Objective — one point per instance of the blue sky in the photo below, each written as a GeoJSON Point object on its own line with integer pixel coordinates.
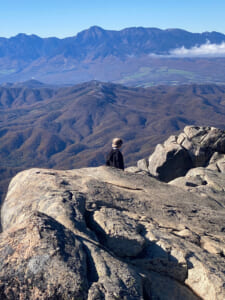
{"type": "Point", "coordinates": [66, 17]}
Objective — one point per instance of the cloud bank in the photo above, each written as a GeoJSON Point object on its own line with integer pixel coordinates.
{"type": "Point", "coordinates": [205, 50]}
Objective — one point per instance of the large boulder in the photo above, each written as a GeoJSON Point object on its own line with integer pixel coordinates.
{"type": "Point", "coordinates": [192, 148]}
{"type": "Point", "coordinates": [169, 161]}
{"type": "Point", "coordinates": [101, 233]}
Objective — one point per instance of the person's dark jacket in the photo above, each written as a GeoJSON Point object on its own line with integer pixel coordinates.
{"type": "Point", "coordinates": [115, 159]}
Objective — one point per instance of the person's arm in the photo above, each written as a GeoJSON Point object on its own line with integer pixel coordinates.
{"type": "Point", "coordinates": [107, 162]}
{"type": "Point", "coordinates": [120, 162]}
{"type": "Point", "coordinates": [109, 159]}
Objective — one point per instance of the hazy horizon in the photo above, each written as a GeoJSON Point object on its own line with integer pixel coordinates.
{"type": "Point", "coordinates": [67, 18]}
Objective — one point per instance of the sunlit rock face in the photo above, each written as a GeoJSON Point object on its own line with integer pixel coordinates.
{"type": "Point", "coordinates": [192, 148]}
{"type": "Point", "coordinates": [101, 233]}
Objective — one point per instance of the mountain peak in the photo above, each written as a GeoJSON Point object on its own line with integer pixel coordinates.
{"type": "Point", "coordinates": [32, 83]}
{"type": "Point", "coordinates": [25, 36]}
{"type": "Point", "coordinates": [93, 33]}
{"type": "Point", "coordinates": [106, 55]}
{"type": "Point", "coordinates": [96, 28]}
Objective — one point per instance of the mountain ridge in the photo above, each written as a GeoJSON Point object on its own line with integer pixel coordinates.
{"type": "Point", "coordinates": [156, 39]}
{"type": "Point", "coordinates": [72, 127]}
{"type": "Point", "coordinates": [122, 56]}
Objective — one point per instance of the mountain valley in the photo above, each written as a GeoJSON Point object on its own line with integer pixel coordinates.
{"type": "Point", "coordinates": [72, 127]}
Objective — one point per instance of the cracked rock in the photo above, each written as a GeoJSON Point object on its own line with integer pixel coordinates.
{"type": "Point", "coordinates": [119, 232]}
{"type": "Point", "coordinates": [101, 233]}
{"type": "Point", "coordinates": [192, 148]}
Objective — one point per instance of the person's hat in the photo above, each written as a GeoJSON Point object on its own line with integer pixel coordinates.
{"type": "Point", "coordinates": [117, 142]}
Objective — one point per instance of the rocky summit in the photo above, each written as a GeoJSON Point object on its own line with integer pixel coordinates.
{"type": "Point", "coordinates": [101, 233]}
{"type": "Point", "coordinates": [194, 147]}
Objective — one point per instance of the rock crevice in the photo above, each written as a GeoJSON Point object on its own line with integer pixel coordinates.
{"type": "Point", "coordinates": [192, 148]}
{"type": "Point", "coordinates": [101, 233]}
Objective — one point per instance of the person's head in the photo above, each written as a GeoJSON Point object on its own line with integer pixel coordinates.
{"type": "Point", "coordinates": [117, 143]}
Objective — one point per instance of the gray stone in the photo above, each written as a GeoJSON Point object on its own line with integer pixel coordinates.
{"type": "Point", "coordinates": [217, 162]}
{"type": "Point", "coordinates": [164, 288]}
{"type": "Point", "coordinates": [194, 147]}
{"type": "Point", "coordinates": [109, 234]}
{"type": "Point", "coordinates": [47, 261]}
{"type": "Point", "coordinates": [121, 233]}
{"type": "Point", "coordinates": [205, 182]}
{"type": "Point", "coordinates": [170, 161]}
{"type": "Point", "coordinates": [142, 164]}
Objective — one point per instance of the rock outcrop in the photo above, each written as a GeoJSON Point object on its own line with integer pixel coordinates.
{"type": "Point", "coordinates": [101, 233]}
{"type": "Point", "coordinates": [193, 148]}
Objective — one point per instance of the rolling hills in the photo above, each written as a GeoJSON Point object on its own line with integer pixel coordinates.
{"type": "Point", "coordinates": [72, 127]}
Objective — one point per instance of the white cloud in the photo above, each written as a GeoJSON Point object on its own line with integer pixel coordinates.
{"type": "Point", "coordinates": [205, 50]}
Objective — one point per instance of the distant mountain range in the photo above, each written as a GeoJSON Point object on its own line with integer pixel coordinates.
{"type": "Point", "coordinates": [72, 127]}
{"type": "Point", "coordinates": [133, 56]}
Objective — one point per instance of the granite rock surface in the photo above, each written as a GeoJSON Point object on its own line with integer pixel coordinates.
{"type": "Point", "coordinates": [194, 147]}
{"type": "Point", "coordinates": [101, 233]}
